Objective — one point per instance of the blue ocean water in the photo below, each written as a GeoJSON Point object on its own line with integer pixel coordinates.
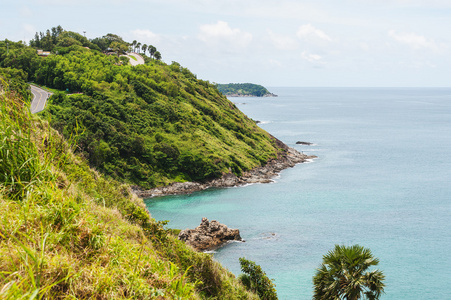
{"type": "Point", "coordinates": [382, 180]}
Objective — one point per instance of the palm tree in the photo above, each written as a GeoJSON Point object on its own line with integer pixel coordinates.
{"type": "Point", "coordinates": [139, 47]}
{"type": "Point", "coordinates": [344, 275]}
{"type": "Point", "coordinates": [134, 45]}
{"type": "Point", "coordinates": [157, 55]}
{"type": "Point", "coordinates": [144, 48]}
{"type": "Point", "coordinates": [152, 50]}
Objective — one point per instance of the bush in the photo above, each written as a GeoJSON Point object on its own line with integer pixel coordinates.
{"type": "Point", "coordinates": [255, 280]}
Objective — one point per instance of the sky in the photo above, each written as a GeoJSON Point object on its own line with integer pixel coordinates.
{"type": "Point", "coordinates": [322, 43]}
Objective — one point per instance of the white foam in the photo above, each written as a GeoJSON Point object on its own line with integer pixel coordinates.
{"type": "Point", "coordinates": [269, 236]}
{"type": "Point", "coordinates": [243, 185]}
{"type": "Point", "coordinates": [210, 251]}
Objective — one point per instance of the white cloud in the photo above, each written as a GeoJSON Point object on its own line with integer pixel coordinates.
{"type": "Point", "coordinates": [144, 35]}
{"type": "Point", "coordinates": [364, 46]}
{"type": "Point", "coordinates": [308, 32]}
{"type": "Point", "coordinates": [414, 40]}
{"type": "Point", "coordinates": [221, 32]}
{"type": "Point", "coordinates": [421, 3]}
{"type": "Point", "coordinates": [313, 58]}
{"type": "Point", "coordinates": [274, 63]}
{"type": "Point", "coordinates": [282, 42]}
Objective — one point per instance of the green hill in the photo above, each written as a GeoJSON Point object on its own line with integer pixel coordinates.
{"type": "Point", "coordinates": [70, 227]}
{"type": "Point", "coordinates": [244, 90]}
{"type": "Point", "coordinates": [148, 125]}
{"type": "Point", "coordinates": [67, 232]}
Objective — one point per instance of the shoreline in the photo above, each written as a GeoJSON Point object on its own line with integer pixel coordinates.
{"type": "Point", "coordinates": [263, 174]}
{"type": "Point", "coordinates": [250, 96]}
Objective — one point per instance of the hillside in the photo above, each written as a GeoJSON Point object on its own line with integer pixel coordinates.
{"type": "Point", "coordinates": [244, 90]}
{"type": "Point", "coordinates": [67, 232]}
{"type": "Point", "coordinates": [148, 125]}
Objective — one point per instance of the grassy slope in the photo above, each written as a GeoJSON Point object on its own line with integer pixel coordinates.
{"type": "Point", "coordinates": [67, 232]}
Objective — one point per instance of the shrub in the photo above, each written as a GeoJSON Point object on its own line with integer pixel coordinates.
{"type": "Point", "coordinates": [255, 280]}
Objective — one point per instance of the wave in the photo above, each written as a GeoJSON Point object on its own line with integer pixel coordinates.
{"type": "Point", "coordinates": [269, 236]}
{"type": "Point", "coordinates": [244, 185]}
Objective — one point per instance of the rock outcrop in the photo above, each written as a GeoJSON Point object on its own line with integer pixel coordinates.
{"type": "Point", "coordinates": [304, 143]}
{"type": "Point", "coordinates": [209, 235]}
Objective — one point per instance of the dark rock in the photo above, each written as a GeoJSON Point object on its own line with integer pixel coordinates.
{"type": "Point", "coordinates": [304, 143]}
{"type": "Point", "coordinates": [209, 235]}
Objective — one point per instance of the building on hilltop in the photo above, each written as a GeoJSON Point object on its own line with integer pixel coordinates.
{"type": "Point", "coordinates": [43, 53]}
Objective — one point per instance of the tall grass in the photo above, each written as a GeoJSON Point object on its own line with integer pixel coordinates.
{"type": "Point", "coordinates": [20, 166]}
{"type": "Point", "coordinates": [67, 232]}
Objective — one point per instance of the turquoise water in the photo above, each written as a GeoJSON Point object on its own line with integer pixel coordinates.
{"type": "Point", "coordinates": [382, 179]}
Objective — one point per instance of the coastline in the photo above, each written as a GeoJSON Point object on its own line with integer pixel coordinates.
{"type": "Point", "coordinates": [251, 96]}
{"type": "Point", "coordinates": [264, 174]}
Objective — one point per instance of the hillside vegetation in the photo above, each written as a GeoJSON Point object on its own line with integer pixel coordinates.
{"type": "Point", "coordinates": [148, 125]}
{"type": "Point", "coordinates": [243, 90]}
{"type": "Point", "coordinates": [67, 232]}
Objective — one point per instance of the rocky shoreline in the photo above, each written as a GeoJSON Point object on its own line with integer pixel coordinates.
{"type": "Point", "coordinates": [287, 159]}
{"type": "Point", "coordinates": [248, 95]}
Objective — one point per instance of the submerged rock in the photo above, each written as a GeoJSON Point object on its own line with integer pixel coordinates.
{"type": "Point", "coordinates": [209, 235]}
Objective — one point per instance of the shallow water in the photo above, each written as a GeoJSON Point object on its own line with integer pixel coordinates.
{"type": "Point", "coordinates": [382, 180]}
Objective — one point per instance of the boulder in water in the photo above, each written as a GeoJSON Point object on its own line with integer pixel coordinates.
{"type": "Point", "coordinates": [209, 235]}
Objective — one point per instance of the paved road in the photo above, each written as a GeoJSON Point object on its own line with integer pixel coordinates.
{"type": "Point", "coordinates": [39, 99]}
{"type": "Point", "coordinates": [139, 59]}
{"type": "Point", "coordinates": [40, 96]}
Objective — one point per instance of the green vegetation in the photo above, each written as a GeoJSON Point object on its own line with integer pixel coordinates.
{"type": "Point", "coordinates": [68, 232]}
{"type": "Point", "coordinates": [243, 89]}
{"type": "Point", "coordinates": [255, 280]}
{"type": "Point", "coordinates": [16, 82]}
{"type": "Point", "coordinates": [344, 275]}
{"type": "Point", "coordinates": [57, 38]}
{"type": "Point", "coordinates": [148, 125]}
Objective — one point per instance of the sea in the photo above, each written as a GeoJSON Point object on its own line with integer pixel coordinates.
{"type": "Point", "coordinates": [382, 180]}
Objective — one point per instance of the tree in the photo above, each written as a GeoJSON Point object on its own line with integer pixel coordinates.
{"type": "Point", "coordinates": [134, 45]}
{"type": "Point", "coordinates": [152, 50]}
{"type": "Point", "coordinates": [344, 275]}
{"type": "Point", "coordinates": [255, 280]}
{"type": "Point", "coordinates": [157, 55]}
{"type": "Point", "coordinates": [144, 48]}
{"type": "Point", "coordinates": [118, 47]}
{"type": "Point", "coordinates": [139, 47]}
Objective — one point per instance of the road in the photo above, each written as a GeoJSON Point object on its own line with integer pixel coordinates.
{"type": "Point", "coordinates": [40, 96]}
{"type": "Point", "coordinates": [39, 99]}
{"type": "Point", "coordinates": [139, 59]}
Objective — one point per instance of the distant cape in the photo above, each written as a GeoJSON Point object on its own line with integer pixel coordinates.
{"type": "Point", "coordinates": [244, 90]}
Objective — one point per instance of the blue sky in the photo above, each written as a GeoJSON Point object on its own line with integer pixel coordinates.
{"type": "Point", "coordinates": [270, 42]}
